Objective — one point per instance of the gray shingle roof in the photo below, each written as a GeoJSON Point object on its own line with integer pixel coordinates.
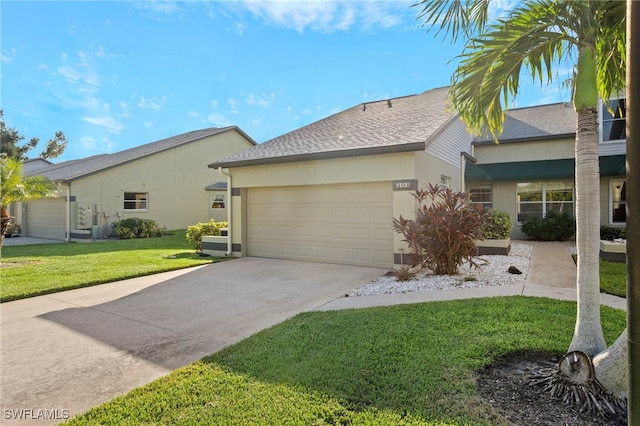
{"type": "Point", "coordinates": [399, 124]}
{"type": "Point", "coordinates": [74, 169]}
{"type": "Point", "coordinates": [537, 122]}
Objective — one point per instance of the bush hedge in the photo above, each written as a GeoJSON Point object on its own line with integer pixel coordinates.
{"type": "Point", "coordinates": [196, 232]}
{"type": "Point", "coordinates": [554, 227]}
{"type": "Point", "coordinates": [497, 225]}
{"type": "Point", "coordinates": [134, 227]}
{"type": "Point", "coordinates": [610, 233]}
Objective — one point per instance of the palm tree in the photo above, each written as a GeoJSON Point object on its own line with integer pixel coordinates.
{"type": "Point", "coordinates": [14, 188]}
{"type": "Point", "coordinates": [534, 37]}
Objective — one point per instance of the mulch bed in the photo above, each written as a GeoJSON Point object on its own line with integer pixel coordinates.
{"type": "Point", "coordinates": [506, 386]}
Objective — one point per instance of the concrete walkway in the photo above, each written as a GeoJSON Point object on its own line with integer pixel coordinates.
{"type": "Point", "coordinates": [24, 241]}
{"type": "Point", "coordinates": [552, 273]}
{"type": "Point", "coordinates": [69, 351]}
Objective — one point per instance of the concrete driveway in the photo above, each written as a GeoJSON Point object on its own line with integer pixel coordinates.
{"type": "Point", "coordinates": [67, 352]}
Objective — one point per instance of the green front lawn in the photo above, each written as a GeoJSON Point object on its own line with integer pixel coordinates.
{"type": "Point", "coordinates": [47, 268]}
{"type": "Point", "coordinates": [407, 364]}
{"type": "Point", "coordinates": [613, 278]}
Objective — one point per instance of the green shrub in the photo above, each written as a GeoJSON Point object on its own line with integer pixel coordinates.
{"type": "Point", "coordinates": [134, 227]}
{"type": "Point", "coordinates": [610, 233]}
{"type": "Point", "coordinates": [497, 225]}
{"type": "Point", "coordinates": [442, 237]}
{"type": "Point", "coordinates": [554, 227]}
{"type": "Point", "coordinates": [196, 232]}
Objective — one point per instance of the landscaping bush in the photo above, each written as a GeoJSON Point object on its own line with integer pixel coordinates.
{"type": "Point", "coordinates": [554, 227]}
{"type": "Point", "coordinates": [196, 232]}
{"type": "Point", "coordinates": [497, 225]}
{"type": "Point", "coordinates": [134, 227]}
{"type": "Point", "coordinates": [443, 235]}
{"type": "Point", "coordinates": [610, 233]}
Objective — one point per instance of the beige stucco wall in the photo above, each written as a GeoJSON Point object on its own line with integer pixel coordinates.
{"type": "Point", "coordinates": [504, 198]}
{"type": "Point", "coordinates": [524, 151]}
{"type": "Point", "coordinates": [175, 180]}
{"type": "Point", "coordinates": [375, 168]}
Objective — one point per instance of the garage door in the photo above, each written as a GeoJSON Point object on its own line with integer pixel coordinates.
{"type": "Point", "coordinates": [46, 218]}
{"type": "Point", "coordinates": [346, 224]}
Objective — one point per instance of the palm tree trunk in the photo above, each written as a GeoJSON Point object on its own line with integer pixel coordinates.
{"type": "Point", "coordinates": [5, 219]}
{"type": "Point", "coordinates": [610, 367]}
{"type": "Point", "coordinates": [588, 336]}
{"type": "Point", "coordinates": [633, 209]}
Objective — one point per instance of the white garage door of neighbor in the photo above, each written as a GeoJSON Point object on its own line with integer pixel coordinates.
{"type": "Point", "coordinates": [46, 218]}
{"type": "Point", "coordinates": [348, 224]}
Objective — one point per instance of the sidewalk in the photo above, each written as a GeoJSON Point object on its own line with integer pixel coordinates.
{"type": "Point", "coordinates": [552, 273]}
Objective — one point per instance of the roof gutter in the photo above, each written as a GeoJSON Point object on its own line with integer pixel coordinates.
{"type": "Point", "coordinates": [526, 139]}
{"type": "Point", "coordinates": [355, 152]}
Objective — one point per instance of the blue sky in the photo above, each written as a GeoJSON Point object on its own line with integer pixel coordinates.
{"type": "Point", "coordinates": [116, 74]}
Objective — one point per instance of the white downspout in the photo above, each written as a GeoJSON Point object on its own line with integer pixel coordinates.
{"type": "Point", "coordinates": [229, 211]}
{"type": "Point", "coordinates": [68, 215]}
{"type": "Point", "coordinates": [464, 157]}
{"type": "Point", "coordinates": [463, 162]}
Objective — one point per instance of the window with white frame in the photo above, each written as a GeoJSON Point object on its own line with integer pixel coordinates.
{"type": "Point", "coordinates": [217, 201]}
{"type": "Point", "coordinates": [136, 201]}
{"type": "Point", "coordinates": [613, 120]}
{"type": "Point", "coordinates": [536, 199]}
{"type": "Point", "coordinates": [618, 205]}
{"type": "Point", "coordinates": [445, 181]}
{"type": "Point", "coordinates": [481, 194]}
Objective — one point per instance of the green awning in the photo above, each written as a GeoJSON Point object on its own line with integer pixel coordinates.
{"type": "Point", "coordinates": [612, 165]}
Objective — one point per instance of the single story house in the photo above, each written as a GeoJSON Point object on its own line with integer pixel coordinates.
{"type": "Point", "coordinates": [328, 191]}
{"type": "Point", "coordinates": [167, 181]}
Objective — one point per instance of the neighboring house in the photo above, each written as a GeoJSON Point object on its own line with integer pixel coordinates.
{"type": "Point", "coordinates": [167, 181]}
{"type": "Point", "coordinates": [31, 165]}
{"type": "Point", "coordinates": [328, 191]}
{"type": "Point", "coordinates": [531, 170]}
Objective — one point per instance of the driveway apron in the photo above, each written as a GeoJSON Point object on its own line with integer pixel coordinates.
{"type": "Point", "coordinates": [67, 352]}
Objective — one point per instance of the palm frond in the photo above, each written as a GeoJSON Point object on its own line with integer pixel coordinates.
{"type": "Point", "coordinates": [457, 18]}
{"type": "Point", "coordinates": [16, 188]}
{"type": "Point", "coordinates": [536, 36]}
{"type": "Point", "coordinates": [611, 49]}
{"type": "Point", "coordinates": [488, 76]}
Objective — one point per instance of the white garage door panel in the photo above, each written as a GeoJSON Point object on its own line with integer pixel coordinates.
{"type": "Point", "coordinates": [348, 224]}
{"type": "Point", "coordinates": [46, 218]}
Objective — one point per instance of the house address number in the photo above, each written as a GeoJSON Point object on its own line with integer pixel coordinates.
{"type": "Point", "coordinates": [405, 185]}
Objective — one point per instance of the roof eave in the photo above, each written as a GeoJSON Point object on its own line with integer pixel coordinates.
{"type": "Point", "coordinates": [84, 174]}
{"type": "Point", "coordinates": [347, 153]}
{"type": "Point", "coordinates": [527, 139]}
